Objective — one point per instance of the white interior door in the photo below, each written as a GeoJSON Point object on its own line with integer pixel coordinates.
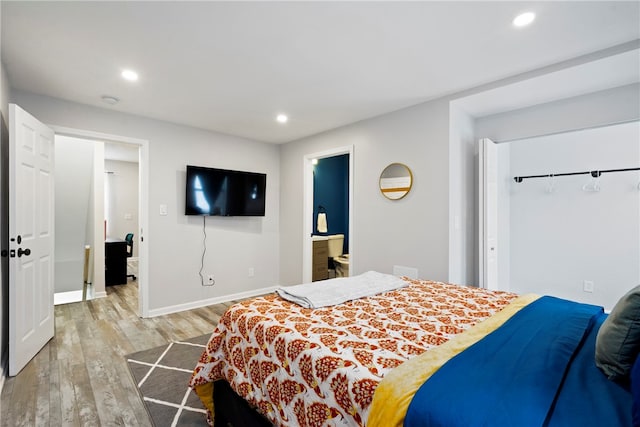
{"type": "Point", "coordinates": [31, 214]}
{"type": "Point", "coordinates": [488, 214]}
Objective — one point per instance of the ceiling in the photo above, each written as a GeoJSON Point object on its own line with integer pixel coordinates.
{"type": "Point", "coordinates": [231, 67]}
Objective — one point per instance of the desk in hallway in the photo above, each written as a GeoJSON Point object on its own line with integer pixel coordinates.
{"type": "Point", "coordinates": [115, 262]}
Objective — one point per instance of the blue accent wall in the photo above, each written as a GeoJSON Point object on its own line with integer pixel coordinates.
{"type": "Point", "coordinates": [331, 190]}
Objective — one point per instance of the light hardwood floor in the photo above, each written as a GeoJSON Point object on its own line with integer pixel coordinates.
{"type": "Point", "coordinates": [80, 378]}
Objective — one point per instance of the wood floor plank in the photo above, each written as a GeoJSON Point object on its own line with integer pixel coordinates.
{"type": "Point", "coordinates": [42, 409]}
{"type": "Point", "coordinates": [81, 377]}
{"type": "Point", "coordinates": [55, 402]}
{"type": "Point", "coordinates": [5, 413]}
{"type": "Point", "coordinates": [112, 334]}
{"type": "Point", "coordinates": [23, 396]}
{"type": "Point", "coordinates": [110, 412]}
{"type": "Point", "coordinates": [68, 405]}
{"type": "Point", "coordinates": [207, 315]}
{"type": "Point", "coordinates": [67, 340]}
{"type": "Point", "coordinates": [87, 410]}
{"type": "Point", "coordinates": [124, 383]}
{"type": "Point", "coordinates": [96, 309]}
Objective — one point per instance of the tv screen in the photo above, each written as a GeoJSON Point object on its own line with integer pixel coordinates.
{"type": "Point", "coordinates": [224, 192]}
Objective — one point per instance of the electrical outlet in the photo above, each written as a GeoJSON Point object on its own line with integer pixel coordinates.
{"type": "Point", "coordinates": [251, 272]}
{"type": "Point", "coordinates": [587, 286]}
{"type": "Point", "coordinates": [410, 272]}
{"type": "Point", "coordinates": [210, 281]}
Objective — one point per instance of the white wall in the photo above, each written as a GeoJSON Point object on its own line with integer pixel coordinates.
{"type": "Point", "coordinates": [73, 181]}
{"type": "Point", "coordinates": [95, 222]}
{"type": "Point", "coordinates": [601, 108]}
{"type": "Point", "coordinates": [122, 210]}
{"type": "Point", "coordinates": [176, 241]}
{"type": "Point", "coordinates": [463, 171]}
{"type": "Point", "coordinates": [412, 231]}
{"type": "Point", "coordinates": [561, 238]}
{"type": "Point", "coordinates": [504, 216]}
{"type": "Point", "coordinates": [4, 271]}
{"type": "Point", "coordinates": [4, 92]}
{"type": "Point", "coordinates": [415, 231]}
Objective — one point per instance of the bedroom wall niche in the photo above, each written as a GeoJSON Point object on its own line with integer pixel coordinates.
{"type": "Point", "coordinates": [563, 231]}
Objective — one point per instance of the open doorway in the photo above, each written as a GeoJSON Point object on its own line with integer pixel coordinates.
{"type": "Point", "coordinates": [121, 216]}
{"type": "Point", "coordinates": [328, 219]}
{"type": "Point", "coordinates": [115, 145]}
{"type": "Point", "coordinates": [88, 170]}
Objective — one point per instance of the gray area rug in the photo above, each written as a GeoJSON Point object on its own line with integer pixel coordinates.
{"type": "Point", "coordinates": [162, 376]}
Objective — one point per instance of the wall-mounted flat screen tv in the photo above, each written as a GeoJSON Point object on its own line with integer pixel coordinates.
{"type": "Point", "coordinates": [224, 192]}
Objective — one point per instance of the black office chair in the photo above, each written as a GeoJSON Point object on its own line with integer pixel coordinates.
{"type": "Point", "coordinates": [129, 239]}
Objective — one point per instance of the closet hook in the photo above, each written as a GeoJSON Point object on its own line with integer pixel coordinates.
{"type": "Point", "coordinates": [594, 184]}
{"type": "Point", "coordinates": [551, 185]}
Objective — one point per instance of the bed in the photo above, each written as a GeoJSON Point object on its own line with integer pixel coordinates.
{"type": "Point", "coordinates": [364, 361]}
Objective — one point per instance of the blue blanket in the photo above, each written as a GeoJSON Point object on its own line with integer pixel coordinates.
{"type": "Point", "coordinates": [536, 370]}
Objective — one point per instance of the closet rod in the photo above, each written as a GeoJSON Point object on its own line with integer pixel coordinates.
{"type": "Point", "coordinates": [594, 174]}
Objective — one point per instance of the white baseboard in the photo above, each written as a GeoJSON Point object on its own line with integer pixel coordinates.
{"type": "Point", "coordinates": [67, 297]}
{"type": "Point", "coordinates": [217, 300]}
{"type": "Point", "coordinates": [102, 294]}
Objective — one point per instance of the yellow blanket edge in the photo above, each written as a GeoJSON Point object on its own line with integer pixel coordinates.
{"type": "Point", "coordinates": [205, 393]}
{"type": "Point", "coordinates": [393, 395]}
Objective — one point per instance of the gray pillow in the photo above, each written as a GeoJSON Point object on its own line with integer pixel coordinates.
{"type": "Point", "coordinates": [618, 340]}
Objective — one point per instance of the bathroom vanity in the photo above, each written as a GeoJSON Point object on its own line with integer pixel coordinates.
{"type": "Point", "coordinates": [320, 259]}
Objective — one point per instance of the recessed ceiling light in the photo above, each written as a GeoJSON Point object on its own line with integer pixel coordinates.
{"type": "Point", "coordinates": [282, 118]}
{"type": "Point", "coordinates": [524, 19]}
{"type": "Point", "coordinates": [130, 75]}
{"type": "Point", "coordinates": [314, 161]}
{"type": "Point", "coordinates": [111, 100]}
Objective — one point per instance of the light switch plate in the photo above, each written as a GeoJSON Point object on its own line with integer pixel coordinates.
{"type": "Point", "coordinates": [587, 286]}
{"type": "Point", "coordinates": [163, 209]}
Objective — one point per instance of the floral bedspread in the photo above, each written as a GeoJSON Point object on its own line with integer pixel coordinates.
{"type": "Point", "coordinates": [320, 367]}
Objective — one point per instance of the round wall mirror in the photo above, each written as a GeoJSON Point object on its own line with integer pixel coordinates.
{"type": "Point", "coordinates": [395, 181]}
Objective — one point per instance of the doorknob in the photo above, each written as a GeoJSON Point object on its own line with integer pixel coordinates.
{"type": "Point", "coordinates": [25, 252]}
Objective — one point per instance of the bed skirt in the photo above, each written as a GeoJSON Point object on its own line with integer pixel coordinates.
{"type": "Point", "coordinates": [234, 411]}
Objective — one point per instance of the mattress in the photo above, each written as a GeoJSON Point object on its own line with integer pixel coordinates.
{"type": "Point", "coordinates": [315, 367]}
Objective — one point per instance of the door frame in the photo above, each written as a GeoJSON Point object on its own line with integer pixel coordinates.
{"type": "Point", "coordinates": [143, 204]}
{"type": "Point", "coordinates": [488, 248]}
{"type": "Point", "coordinates": [307, 211]}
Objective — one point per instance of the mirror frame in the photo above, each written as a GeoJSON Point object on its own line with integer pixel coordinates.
{"type": "Point", "coordinates": [405, 190]}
